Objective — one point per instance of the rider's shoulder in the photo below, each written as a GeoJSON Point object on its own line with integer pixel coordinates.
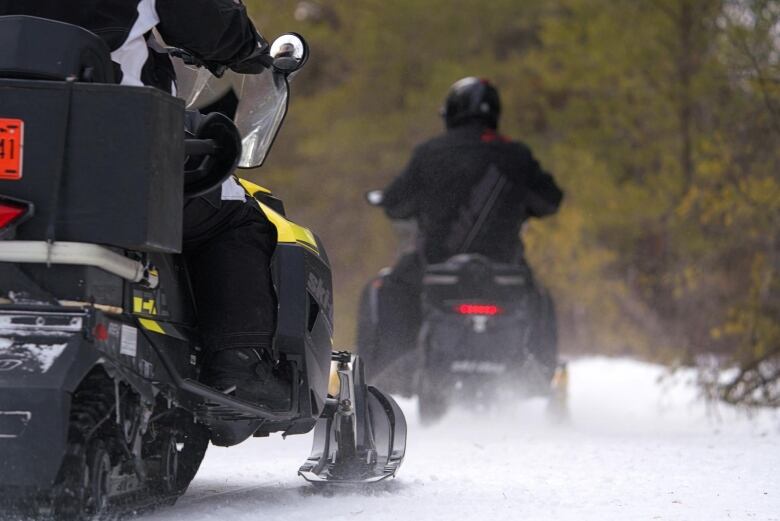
{"type": "Point", "coordinates": [516, 147]}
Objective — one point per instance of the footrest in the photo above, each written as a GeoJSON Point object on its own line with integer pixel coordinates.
{"type": "Point", "coordinates": [219, 406]}
{"type": "Point", "coordinates": [221, 412]}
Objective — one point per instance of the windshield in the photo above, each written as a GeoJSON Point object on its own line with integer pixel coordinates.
{"type": "Point", "coordinates": [261, 108]}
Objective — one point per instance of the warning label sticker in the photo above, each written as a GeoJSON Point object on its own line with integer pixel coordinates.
{"type": "Point", "coordinates": [129, 342]}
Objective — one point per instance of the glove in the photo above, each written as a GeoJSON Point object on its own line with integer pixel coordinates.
{"type": "Point", "coordinates": [258, 61]}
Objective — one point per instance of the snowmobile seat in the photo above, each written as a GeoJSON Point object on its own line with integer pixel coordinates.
{"type": "Point", "coordinates": [43, 49]}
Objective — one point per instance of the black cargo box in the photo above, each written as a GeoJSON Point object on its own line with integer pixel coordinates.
{"type": "Point", "coordinates": [121, 176]}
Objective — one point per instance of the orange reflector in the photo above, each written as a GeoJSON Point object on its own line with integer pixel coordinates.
{"type": "Point", "coordinates": [100, 332]}
{"type": "Point", "coordinates": [11, 151]}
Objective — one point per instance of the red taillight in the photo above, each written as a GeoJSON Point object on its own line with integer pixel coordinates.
{"type": "Point", "coordinates": [478, 309]}
{"type": "Point", "coordinates": [12, 211]}
{"type": "Point", "coordinates": [9, 214]}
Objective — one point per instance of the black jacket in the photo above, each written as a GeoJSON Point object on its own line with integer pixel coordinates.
{"type": "Point", "coordinates": [217, 31]}
{"type": "Point", "coordinates": [470, 190]}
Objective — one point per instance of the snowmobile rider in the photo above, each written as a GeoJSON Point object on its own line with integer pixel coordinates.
{"type": "Point", "coordinates": [228, 241]}
{"type": "Point", "coordinates": [443, 187]}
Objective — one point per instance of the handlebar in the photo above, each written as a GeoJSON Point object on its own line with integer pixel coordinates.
{"type": "Point", "coordinates": [212, 153]}
{"type": "Point", "coordinates": [200, 147]}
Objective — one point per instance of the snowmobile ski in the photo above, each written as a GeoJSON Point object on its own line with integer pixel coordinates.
{"type": "Point", "coordinates": [361, 435]}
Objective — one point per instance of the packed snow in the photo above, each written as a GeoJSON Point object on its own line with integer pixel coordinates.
{"type": "Point", "coordinates": [44, 355]}
{"type": "Point", "coordinates": [640, 444]}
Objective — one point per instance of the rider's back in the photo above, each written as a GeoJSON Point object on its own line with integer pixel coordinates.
{"type": "Point", "coordinates": [450, 183]}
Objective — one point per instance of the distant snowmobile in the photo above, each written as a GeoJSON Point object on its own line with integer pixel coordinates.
{"type": "Point", "coordinates": [101, 409]}
{"type": "Point", "coordinates": [487, 327]}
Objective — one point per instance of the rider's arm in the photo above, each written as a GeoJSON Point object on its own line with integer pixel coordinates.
{"type": "Point", "coordinates": [216, 31]}
{"type": "Point", "coordinates": [543, 196]}
{"type": "Point", "coordinates": [400, 198]}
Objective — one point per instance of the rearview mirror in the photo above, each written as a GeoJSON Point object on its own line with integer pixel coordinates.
{"type": "Point", "coordinates": [289, 53]}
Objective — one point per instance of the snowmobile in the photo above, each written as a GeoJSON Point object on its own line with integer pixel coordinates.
{"type": "Point", "coordinates": [101, 408]}
{"type": "Point", "coordinates": [487, 328]}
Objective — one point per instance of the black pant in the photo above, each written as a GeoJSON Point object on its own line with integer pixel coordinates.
{"type": "Point", "coordinates": [228, 247]}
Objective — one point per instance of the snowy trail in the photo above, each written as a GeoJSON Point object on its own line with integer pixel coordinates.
{"type": "Point", "coordinates": [634, 449]}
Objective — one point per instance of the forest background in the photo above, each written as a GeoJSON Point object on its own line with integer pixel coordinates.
{"type": "Point", "coordinates": [659, 118]}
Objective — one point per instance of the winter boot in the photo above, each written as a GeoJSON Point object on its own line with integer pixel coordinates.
{"type": "Point", "coordinates": [249, 374]}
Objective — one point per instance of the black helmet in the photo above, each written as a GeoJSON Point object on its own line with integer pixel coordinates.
{"type": "Point", "coordinates": [471, 99]}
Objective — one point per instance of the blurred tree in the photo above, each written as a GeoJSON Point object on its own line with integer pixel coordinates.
{"type": "Point", "coordinates": [660, 118]}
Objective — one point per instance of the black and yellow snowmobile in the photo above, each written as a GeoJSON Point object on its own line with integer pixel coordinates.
{"type": "Point", "coordinates": [101, 409]}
